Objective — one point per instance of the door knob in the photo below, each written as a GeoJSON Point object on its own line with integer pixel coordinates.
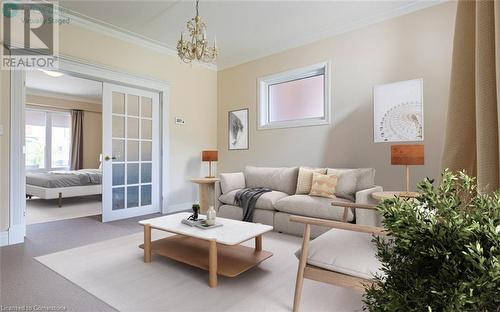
{"type": "Point", "coordinates": [108, 158]}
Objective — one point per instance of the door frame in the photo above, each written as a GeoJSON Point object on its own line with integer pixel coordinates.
{"type": "Point", "coordinates": [83, 69]}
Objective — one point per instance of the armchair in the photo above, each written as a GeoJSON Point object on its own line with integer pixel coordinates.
{"type": "Point", "coordinates": [329, 258]}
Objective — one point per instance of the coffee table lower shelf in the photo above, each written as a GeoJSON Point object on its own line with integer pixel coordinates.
{"type": "Point", "coordinates": [231, 260]}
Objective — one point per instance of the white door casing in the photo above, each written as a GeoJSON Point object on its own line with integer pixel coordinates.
{"type": "Point", "coordinates": [131, 152]}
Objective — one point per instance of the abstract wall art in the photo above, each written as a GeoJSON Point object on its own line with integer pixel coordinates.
{"type": "Point", "coordinates": [238, 129]}
{"type": "Point", "coordinates": [398, 111]}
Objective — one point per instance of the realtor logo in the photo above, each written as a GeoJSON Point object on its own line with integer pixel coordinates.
{"type": "Point", "coordinates": [30, 35]}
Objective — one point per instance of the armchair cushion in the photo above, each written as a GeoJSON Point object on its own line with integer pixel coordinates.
{"type": "Point", "coordinates": [312, 206]}
{"type": "Point", "coordinates": [232, 181]}
{"type": "Point", "coordinates": [266, 201]}
{"type": "Point", "coordinates": [346, 252]}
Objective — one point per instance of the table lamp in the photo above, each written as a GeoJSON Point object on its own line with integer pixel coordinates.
{"type": "Point", "coordinates": [209, 156]}
{"type": "Point", "coordinates": [407, 154]}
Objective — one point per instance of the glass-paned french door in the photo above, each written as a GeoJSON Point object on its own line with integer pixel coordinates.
{"type": "Point", "coordinates": [131, 148]}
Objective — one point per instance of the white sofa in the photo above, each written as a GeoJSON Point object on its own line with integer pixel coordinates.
{"type": "Point", "coordinates": [274, 208]}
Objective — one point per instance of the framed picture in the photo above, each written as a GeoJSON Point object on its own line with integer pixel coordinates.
{"type": "Point", "coordinates": [398, 111]}
{"type": "Point", "coordinates": [237, 122]}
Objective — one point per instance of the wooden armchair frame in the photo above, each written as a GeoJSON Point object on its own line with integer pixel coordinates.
{"type": "Point", "coordinates": [322, 275]}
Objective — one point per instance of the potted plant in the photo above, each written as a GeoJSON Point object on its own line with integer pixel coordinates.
{"type": "Point", "coordinates": [442, 252]}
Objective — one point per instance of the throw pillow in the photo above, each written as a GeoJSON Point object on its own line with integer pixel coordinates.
{"type": "Point", "coordinates": [351, 181]}
{"type": "Point", "coordinates": [304, 180]}
{"type": "Point", "coordinates": [231, 181]}
{"type": "Point", "coordinates": [323, 185]}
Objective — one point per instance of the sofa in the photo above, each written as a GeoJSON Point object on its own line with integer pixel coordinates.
{"type": "Point", "coordinates": [275, 207]}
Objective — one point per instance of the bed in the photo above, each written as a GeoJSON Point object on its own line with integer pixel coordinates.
{"type": "Point", "coordinates": [63, 183]}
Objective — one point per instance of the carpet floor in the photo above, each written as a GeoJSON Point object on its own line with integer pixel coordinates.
{"type": "Point", "coordinates": [114, 272]}
{"type": "Point", "coordinates": [41, 210]}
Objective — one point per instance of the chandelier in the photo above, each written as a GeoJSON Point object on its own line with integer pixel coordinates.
{"type": "Point", "coordinates": [197, 47]}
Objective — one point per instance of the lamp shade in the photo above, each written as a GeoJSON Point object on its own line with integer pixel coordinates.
{"type": "Point", "coordinates": [407, 154]}
{"type": "Point", "coordinates": [209, 155]}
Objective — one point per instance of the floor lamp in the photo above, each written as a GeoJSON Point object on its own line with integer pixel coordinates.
{"type": "Point", "coordinates": [407, 154]}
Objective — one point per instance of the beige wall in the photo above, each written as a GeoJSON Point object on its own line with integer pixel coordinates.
{"type": "Point", "coordinates": [92, 124]}
{"type": "Point", "coordinates": [193, 97]}
{"type": "Point", "coordinates": [417, 45]}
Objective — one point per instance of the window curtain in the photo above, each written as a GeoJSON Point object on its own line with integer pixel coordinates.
{"type": "Point", "coordinates": [472, 125]}
{"type": "Point", "coordinates": [76, 139]}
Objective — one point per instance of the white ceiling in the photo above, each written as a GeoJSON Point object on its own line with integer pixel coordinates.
{"type": "Point", "coordinates": [69, 87]}
{"type": "Point", "coordinates": [245, 30]}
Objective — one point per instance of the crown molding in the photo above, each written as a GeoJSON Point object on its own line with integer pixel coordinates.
{"type": "Point", "coordinates": [348, 27]}
{"type": "Point", "coordinates": [107, 29]}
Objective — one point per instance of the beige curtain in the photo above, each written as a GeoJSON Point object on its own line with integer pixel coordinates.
{"type": "Point", "coordinates": [472, 126]}
{"type": "Point", "coordinates": [76, 139]}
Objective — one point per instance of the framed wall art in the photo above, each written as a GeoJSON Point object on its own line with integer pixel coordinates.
{"type": "Point", "coordinates": [238, 129]}
{"type": "Point", "coordinates": [398, 111]}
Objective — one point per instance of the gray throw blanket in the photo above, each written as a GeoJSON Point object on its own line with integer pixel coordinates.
{"type": "Point", "coordinates": [246, 199]}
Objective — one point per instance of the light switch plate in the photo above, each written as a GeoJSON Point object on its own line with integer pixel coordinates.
{"type": "Point", "coordinates": [179, 120]}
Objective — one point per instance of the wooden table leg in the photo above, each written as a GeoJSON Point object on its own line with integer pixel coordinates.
{"type": "Point", "coordinates": [212, 264]}
{"type": "Point", "coordinates": [302, 265]}
{"type": "Point", "coordinates": [258, 243]}
{"type": "Point", "coordinates": [147, 243]}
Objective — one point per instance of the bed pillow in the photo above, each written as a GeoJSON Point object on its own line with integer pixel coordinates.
{"type": "Point", "coordinates": [323, 185]}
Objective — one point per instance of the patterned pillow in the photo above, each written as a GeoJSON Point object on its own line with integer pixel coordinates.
{"type": "Point", "coordinates": [304, 181]}
{"type": "Point", "coordinates": [323, 185]}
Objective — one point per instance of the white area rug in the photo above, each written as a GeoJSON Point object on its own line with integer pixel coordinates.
{"type": "Point", "coordinates": [41, 210]}
{"type": "Point", "coordinates": [114, 272]}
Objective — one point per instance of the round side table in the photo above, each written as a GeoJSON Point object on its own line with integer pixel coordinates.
{"type": "Point", "coordinates": [207, 192]}
{"type": "Point", "coordinates": [381, 196]}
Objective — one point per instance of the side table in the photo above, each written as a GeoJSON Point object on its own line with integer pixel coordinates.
{"type": "Point", "coordinates": [207, 192]}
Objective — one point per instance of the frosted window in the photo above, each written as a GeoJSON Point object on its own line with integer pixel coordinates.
{"type": "Point", "coordinates": [297, 99]}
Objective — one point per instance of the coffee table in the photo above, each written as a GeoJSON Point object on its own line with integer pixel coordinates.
{"type": "Point", "coordinates": [216, 250]}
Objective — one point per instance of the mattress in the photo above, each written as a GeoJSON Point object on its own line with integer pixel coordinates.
{"type": "Point", "coordinates": [64, 178]}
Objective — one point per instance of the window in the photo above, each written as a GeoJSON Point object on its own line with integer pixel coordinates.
{"type": "Point", "coordinates": [295, 98]}
{"type": "Point", "coordinates": [48, 139]}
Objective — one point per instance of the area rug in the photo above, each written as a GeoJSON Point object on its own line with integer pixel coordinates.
{"type": "Point", "coordinates": [114, 272]}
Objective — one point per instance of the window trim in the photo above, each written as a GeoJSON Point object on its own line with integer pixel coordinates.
{"type": "Point", "coordinates": [48, 139]}
{"type": "Point", "coordinates": [263, 84]}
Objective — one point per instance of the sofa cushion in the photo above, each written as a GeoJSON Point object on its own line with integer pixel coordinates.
{"type": "Point", "coordinates": [351, 181]}
{"type": "Point", "coordinates": [278, 179]}
{"type": "Point", "coordinates": [343, 251]}
{"type": "Point", "coordinates": [266, 201]}
{"type": "Point", "coordinates": [311, 206]}
{"type": "Point", "coordinates": [304, 179]}
{"type": "Point", "coordinates": [232, 181]}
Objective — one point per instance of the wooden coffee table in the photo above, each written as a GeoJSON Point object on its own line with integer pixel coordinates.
{"type": "Point", "coordinates": [216, 250]}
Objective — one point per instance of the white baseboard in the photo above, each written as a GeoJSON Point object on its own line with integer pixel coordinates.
{"type": "Point", "coordinates": [179, 207]}
{"type": "Point", "coordinates": [16, 234]}
{"type": "Point", "coordinates": [4, 238]}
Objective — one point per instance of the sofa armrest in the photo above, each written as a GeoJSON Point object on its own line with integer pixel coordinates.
{"type": "Point", "coordinates": [339, 225]}
{"type": "Point", "coordinates": [218, 193]}
{"type": "Point", "coordinates": [364, 216]}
